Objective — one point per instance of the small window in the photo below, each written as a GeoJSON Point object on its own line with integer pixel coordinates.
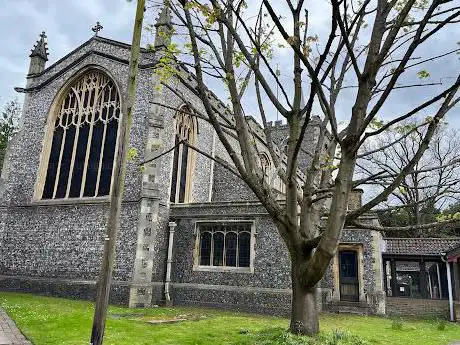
{"type": "Point", "coordinates": [224, 245]}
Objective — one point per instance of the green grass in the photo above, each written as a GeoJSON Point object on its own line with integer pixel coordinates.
{"type": "Point", "coordinates": [53, 321]}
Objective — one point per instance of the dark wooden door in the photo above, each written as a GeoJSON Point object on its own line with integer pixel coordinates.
{"type": "Point", "coordinates": [349, 283]}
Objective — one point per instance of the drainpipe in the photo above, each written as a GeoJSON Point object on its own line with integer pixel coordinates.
{"type": "Point", "coordinates": [172, 227]}
{"type": "Point", "coordinates": [449, 287]}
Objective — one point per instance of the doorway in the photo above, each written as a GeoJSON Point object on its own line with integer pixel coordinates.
{"type": "Point", "coordinates": [348, 275]}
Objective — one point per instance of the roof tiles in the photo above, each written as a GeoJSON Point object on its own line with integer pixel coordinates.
{"type": "Point", "coordinates": [420, 246]}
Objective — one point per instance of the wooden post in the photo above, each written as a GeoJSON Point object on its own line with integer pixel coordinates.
{"type": "Point", "coordinates": [113, 222]}
{"type": "Point", "coordinates": [423, 280]}
{"type": "Point", "coordinates": [394, 284]}
{"type": "Point", "coordinates": [385, 276]}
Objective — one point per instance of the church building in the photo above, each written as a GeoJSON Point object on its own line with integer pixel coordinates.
{"type": "Point", "coordinates": [191, 232]}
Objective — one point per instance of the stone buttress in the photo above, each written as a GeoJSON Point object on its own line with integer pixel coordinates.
{"type": "Point", "coordinates": [149, 226]}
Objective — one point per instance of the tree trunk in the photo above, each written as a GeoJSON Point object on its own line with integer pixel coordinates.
{"type": "Point", "coordinates": [304, 312]}
{"type": "Point", "coordinates": [116, 194]}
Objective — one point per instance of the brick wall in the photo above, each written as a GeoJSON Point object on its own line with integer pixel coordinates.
{"type": "Point", "coordinates": [418, 307]}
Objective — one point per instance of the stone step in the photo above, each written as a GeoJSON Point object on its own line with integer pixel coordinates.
{"type": "Point", "coordinates": [346, 307]}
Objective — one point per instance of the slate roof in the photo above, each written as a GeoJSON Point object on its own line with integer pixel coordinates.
{"type": "Point", "coordinates": [420, 246]}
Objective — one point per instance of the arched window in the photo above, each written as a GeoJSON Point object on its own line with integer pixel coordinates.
{"type": "Point", "coordinates": [181, 183]}
{"type": "Point", "coordinates": [271, 174]}
{"type": "Point", "coordinates": [85, 133]}
{"type": "Point", "coordinates": [265, 166]}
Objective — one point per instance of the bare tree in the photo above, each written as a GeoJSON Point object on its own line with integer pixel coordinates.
{"type": "Point", "coordinates": [366, 56]}
{"type": "Point", "coordinates": [433, 184]}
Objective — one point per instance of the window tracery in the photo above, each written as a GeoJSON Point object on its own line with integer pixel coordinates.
{"type": "Point", "coordinates": [225, 245]}
{"type": "Point", "coordinates": [183, 159]}
{"type": "Point", "coordinates": [84, 139]}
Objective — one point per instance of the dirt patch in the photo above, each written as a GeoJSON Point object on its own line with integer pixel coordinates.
{"type": "Point", "coordinates": [125, 315]}
{"type": "Point", "coordinates": [175, 319]}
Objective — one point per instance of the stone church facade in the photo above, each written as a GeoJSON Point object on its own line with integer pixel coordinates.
{"type": "Point", "coordinates": [191, 232]}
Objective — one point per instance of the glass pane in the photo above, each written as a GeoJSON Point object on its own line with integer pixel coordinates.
{"type": "Point", "coordinates": [93, 160]}
{"type": "Point", "coordinates": [107, 160]}
{"type": "Point", "coordinates": [348, 265]}
{"type": "Point", "coordinates": [53, 163]}
{"type": "Point", "coordinates": [218, 240]}
{"type": "Point", "coordinates": [408, 279]}
{"type": "Point", "coordinates": [79, 163]}
{"type": "Point", "coordinates": [65, 162]}
{"type": "Point", "coordinates": [244, 249]}
{"type": "Point", "coordinates": [183, 173]}
{"type": "Point", "coordinates": [172, 198]}
{"type": "Point", "coordinates": [432, 280]}
{"type": "Point", "coordinates": [230, 249]}
{"type": "Point", "coordinates": [205, 249]}
{"type": "Point", "coordinates": [387, 270]}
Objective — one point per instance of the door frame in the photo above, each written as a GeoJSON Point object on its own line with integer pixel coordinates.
{"type": "Point", "coordinates": [352, 280]}
{"type": "Point", "coordinates": [358, 248]}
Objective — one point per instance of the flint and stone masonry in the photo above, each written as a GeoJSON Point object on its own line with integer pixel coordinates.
{"type": "Point", "coordinates": [54, 246]}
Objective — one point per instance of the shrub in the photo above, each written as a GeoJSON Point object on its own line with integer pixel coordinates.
{"type": "Point", "coordinates": [338, 337]}
{"type": "Point", "coordinates": [441, 324]}
{"type": "Point", "coordinates": [397, 324]}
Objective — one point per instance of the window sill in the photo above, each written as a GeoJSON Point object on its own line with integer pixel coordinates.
{"type": "Point", "coordinates": [73, 201]}
{"type": "Point", "coordinates": [222, 269]}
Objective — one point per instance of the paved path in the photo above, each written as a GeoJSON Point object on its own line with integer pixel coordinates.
{"type": "Point", "coordinates": [9, 333]}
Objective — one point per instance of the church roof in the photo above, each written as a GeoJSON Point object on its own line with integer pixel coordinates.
{"type": "Point", "coordinates": [420, 246]}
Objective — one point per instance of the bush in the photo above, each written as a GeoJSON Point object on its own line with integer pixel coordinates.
{"type": "Point", "coordinates": [441, 324]}
{"type": "Point", "coordinates": [338, 337]}
{"type": "Point", "coordinates": [397, 324]}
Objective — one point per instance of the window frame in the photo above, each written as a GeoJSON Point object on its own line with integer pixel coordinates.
{"type": "Point", "coordinates": [52, 114]}
{"type": "Point", "coordinates": [270, 173]}
{"type": "Point", "coordinates": [391, 285]}
{"type": "Point", "coordinates": [229, 269]}
{"type": "Point", "coordinates": [359, 249]}
{"type": "Point", "coordinates": [191, 156]}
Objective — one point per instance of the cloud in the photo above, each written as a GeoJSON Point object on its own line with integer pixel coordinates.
{"type": "Point", "coordinates": [67, 24]}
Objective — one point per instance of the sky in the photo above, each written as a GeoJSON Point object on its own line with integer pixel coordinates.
{"type": "Point", "coordinates": [68, 24]}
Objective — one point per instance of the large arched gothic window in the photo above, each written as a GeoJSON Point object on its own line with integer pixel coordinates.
{"type": "Point", "coordinates": [84, 139]}
{"type": "Point", "coordinates": [181, 183]}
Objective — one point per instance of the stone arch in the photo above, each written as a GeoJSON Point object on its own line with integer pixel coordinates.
{"type": "Point", "coordinates": [81, 138]}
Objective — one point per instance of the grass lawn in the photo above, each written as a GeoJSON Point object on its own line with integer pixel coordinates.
{"type": "Point", "coordinates": [53, 321]}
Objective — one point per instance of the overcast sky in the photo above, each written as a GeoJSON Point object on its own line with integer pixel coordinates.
{"type": "Point", "coordinates": [68, 24]}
